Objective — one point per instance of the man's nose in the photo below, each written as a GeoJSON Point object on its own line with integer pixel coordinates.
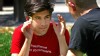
{"type": "Point", "coordinates": [43, 23]}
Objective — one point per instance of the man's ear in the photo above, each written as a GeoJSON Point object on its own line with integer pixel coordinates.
{"type": "Point", "coordinates": [28, 17]}
{"type": "Point", "coordinates": [72, 5]}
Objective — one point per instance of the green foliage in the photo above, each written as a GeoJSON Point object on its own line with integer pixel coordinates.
{"type": "Point", "coordinates": [84, 55]}
{"type": "Point", "coordinates": [5, 41]}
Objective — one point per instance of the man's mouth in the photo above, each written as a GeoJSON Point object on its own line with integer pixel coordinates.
{"type": "Point", "coordinates": [43, 28]}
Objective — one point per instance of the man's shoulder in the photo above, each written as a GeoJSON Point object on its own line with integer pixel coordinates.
{"type": "Point", "coordinates": [18, 28]}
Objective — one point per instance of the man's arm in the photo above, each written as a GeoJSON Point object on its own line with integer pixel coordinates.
{"type": "Point", "coordinates": [62, 45]}
{"type": "Point", "coordinates": [72, 52]}
{"type": "Point", "coordinates": [28, 33]}
{"type": "Point", "coordinates": [24, 50]}
{"type": "Point", "coordinates": [60, 29]}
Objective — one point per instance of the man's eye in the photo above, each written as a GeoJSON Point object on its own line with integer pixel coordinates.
{"type": "Point", "coordinates": [37, 18]}
{"type": "Point", "coordinates": [47, 17]}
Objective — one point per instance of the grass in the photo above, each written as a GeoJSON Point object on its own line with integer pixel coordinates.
{"type": "Point", "coordinates": [5, 41]}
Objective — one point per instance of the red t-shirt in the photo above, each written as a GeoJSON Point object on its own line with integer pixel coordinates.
{"type": "Point", "coordinates": [46, 45]}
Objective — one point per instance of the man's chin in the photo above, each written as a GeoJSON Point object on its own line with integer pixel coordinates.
{"type": "Point", "coordinates": [42, 33]}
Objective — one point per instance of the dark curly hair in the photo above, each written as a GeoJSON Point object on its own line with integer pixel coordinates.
{"type": "Point", "coordinates": [32, 8]}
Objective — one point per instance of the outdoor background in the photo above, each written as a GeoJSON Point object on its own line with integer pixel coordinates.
{"type": "Point", "coordinates": [12, 14]}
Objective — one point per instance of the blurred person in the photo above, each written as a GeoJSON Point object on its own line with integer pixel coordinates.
{"type": "Point", "coordinates": [39, 35]}
{"type": "Point", "coordinates": [85, 33]}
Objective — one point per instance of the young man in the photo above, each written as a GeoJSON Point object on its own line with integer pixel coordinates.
{"type": "Point", "coordinates": [85, 34]}
{"type": "Point", "coordinates": [38, 36]}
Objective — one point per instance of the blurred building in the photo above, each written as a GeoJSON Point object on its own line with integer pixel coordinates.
{"type": "Point", "coordinates": [1, 5]}
{"type": "Point", "coordinates": [8, 2]}
{"type": "Point", "coordinates": [60, 1]}
{"type": "Point", "coordinates": [18, 8]}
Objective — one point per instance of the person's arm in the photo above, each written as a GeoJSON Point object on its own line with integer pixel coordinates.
{"type": "Point", "coordinates": [60, 32]}
{"type": "Point", "coordinates": [63, 45]}
{"type": "Point", "coordinates": [72, 52]}
{"type": "Point", "coordinates": [14, 54]}
{"type": "Point", "coordinates": [24, 50]}
{"type": "Point", "coordinates": [28, 33]}
{"type": "Point", "coordinates": [78, 41]}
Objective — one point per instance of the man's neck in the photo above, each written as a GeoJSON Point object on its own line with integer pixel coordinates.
{"type": "Point", "coordinates": [85, 12]}
{"type": "Point", "coordinates": [88, 10]}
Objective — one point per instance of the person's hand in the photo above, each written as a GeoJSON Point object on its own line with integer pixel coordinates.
{"type": "Point", "coordinates": [60, 27]}
{"type": "Point", "coordinates": [27, 29]}
{"type": "Point", "coordinates": [60, 32]}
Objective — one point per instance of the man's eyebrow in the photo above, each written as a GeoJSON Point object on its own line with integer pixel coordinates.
{"type": "Point", "coordinates": [48, 15]}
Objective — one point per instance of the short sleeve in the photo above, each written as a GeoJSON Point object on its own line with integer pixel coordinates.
{"type": "Point", "coordinates": [17, 40]}
{"type": "Point", "coordinates": [78, 40]}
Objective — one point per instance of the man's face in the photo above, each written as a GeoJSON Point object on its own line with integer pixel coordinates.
{"type": "Point", "coordinates": [41, 22]}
